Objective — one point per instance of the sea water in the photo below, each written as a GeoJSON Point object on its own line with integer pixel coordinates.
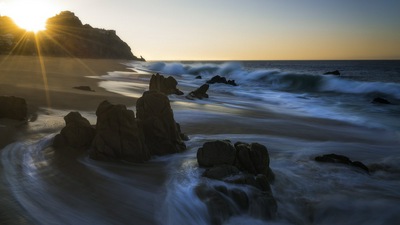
{"type": "Point", "coordinates": [291, 107]}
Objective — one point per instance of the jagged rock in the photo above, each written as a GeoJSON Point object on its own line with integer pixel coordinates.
{"type": "Point", "coordinates": [77, 133]}
{"type": "Point", "coordinates": [84, 88]}
{"type": "Point", "coordinates": [165, 85]}
{"type": "Point", "coordinates": [253, 158]}
{"type": "Point", "coordinates": [222, 80]}
{"type": "Point", "coordinates": [220, 172]}
{"type": "Point", "coordinates": [118, 135]}
{"type": "Point", "coordinates": [159, 126]}
{"type": "Point", "coordinates": [224, 202]}
{"type": "Point", "coordinates": [13, 108]}
{"type": "Point", "coordinates": [335, 72]}
{"type": "Point", "coordinates": [334, 158]}
{"type": "Point", "coordinates": [215, 153]}
{"type": "Point", "coordinates": [199, 93]}
{"type": "Point", "coordinates": [380, 100]}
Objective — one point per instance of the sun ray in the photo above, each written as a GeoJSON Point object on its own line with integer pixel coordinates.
{"type": "Point", "coordinates": [43, 71]}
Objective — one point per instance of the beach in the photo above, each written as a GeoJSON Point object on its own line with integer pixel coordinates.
{"type": "Point", "coordinates": [295, 125]}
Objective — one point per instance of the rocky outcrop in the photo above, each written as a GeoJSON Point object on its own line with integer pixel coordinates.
{"type": "Point", "coordinates": [119, 136]}
{"type": "Point", "coordinates": [239, 165]}
{"type": "Point", "coordinates": [13, 108]}
{"type": "Point", "coordinates": [165, 85]}
{"type": "Point", "coordinates": [199, 93]}
{"type": "Point", "coordinates": [66, 36]}
{"type": "Point", "coordinates": [380, 100]}
{"type": "Point", "coordinates": [159, 126]}
{"type": "Point", "coordinates": [216, 153]}
{"type": "Point", "coordinates": [341, 159]}
{"type": "Point", "coordinates": [77, 133]}
{"type": "Point", "coordinates": [335, 72]}
{"type": "Point", "coordinates": [221, 80]}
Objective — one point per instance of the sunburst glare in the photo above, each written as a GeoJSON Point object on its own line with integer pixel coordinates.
{"type": "Point", "coordinates": [30, 15]}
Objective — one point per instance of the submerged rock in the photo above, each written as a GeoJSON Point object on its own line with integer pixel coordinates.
{"type": "Point", "coordinates": [335, 72]}
{"type": "Point", "coordinates": [118, 135]}
{"type": "Point", "coordinates": [334, 158]}
{"type": "Point", "coordinates": [199, 93]}
{"type": "Point", "coordinates": [380, 100]}
{"type": "Point", "coordinates": [222, 80]}
{"type": "Point", "coordinates": [77, 133]}
{"type": "Point", "coordinates": [159, 126]}
{"type": "Point", "coordinates": [13, 108]}
{"type": "Point", "coordinates": [165, 85]}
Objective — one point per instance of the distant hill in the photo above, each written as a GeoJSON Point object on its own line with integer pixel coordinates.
{"type": "Point", "coordinates": [65, 35]}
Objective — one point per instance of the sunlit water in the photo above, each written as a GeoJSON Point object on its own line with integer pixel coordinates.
{"type": "Point", "coordinates": [290, 108]}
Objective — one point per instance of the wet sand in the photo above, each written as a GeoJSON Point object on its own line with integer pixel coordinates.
{"type": "Point", "coordinates": [48, 82]}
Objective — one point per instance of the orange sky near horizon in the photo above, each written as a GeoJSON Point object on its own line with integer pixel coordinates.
{"type": "Point", "coordinates": [241, 30]}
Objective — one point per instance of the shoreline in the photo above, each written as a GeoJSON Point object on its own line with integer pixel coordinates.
{"type": "Point", "coordinates": [48, 83]}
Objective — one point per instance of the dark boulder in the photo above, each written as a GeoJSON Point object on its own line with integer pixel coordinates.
{"type": "Point", "coordinates": [341, 159]}
{"type": "Point", "coordinates": [335, 72]}
{"type": "Point", "coordinates": [199, 77]}
{"type": "Point", "coordinates": [223, 202]}
{"type": "Point", "coordinates": [13, 108]}
{"type": "Point", "coordinates": [253, 158]}
{"type": "Point", "coordinates": [221, 80]}
{"type": "Point", "coordinates": [77, 133]}
{"type": "Point", "coordinates": [165, 85]}
{"type": "Point", "coordinates": [118, 135]}
{"type": "Point", "coordinates": [84, 88]}
{"type": "Point", "coordinates": [220, 172]}
{"type": "Point", "coordinates": [215, 153]}
{"type": "Point", "coordinates": [380, 100]}
{"type": "Point", "coordinates": [159, 126]}
{"type": "Point", "coordinates": [199, 93]}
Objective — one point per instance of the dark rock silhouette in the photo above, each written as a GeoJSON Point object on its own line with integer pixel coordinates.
{"type": "Point", "coordinates": [253, 158]}
{"type": "Point", "coordinates": [13, 108]}
{"type": "Point", "coordinates": [77, 133]}
{"type": "Point", "coordinates": [159, 126]}
{"type": "Point", "coordinates": [380, 100]}
{"type": "Point", "coordinates": [198, 77]}
{"type": "Point", "coordinates": [199, 93]}
{"type": "Point", "coordinates": [341, 159]}
{"type": "Point", "coordinates": [118, 135]}
{"type": "Point", "coordinates": [84, 88]}
{"type": "Point", "coordinates": [165, 85]}
{"type": "Point", "coordinates": [215, 153]}
{"type": "Point", "coordinates": [222, 80]}
{"type": "Point", "coordinates": [335, 72]}
{"type": "Point", "coordinates": [241, 164]}
{"type": "Point", "coordinates": [65, 36]}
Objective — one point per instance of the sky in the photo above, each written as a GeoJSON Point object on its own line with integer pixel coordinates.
{"type": "Point", "coordinates": [243, 29]}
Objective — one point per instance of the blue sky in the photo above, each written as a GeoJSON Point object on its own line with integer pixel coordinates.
{"type": "Point", "coordinates": [247, 29]}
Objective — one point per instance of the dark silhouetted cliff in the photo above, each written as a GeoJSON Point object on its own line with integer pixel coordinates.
{"type": "Point", "coordinates": [65, 35]}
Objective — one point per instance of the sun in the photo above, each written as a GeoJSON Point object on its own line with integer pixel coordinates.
{"type": "Point", "coordinates": [30, 15]}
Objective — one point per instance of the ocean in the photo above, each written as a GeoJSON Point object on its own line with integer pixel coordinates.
{"type": "Point", "coordinates": [291, 107]}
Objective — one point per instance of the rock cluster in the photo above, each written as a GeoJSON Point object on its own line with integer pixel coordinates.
{"type": "Point", "coordinates": [13, 108]}
{"type": "Point", "coordinates": [119, 135]}
{"type": "Point", "coordinates": [242, 164]}
{"type": "Point", "coordinates": [222, 80]}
